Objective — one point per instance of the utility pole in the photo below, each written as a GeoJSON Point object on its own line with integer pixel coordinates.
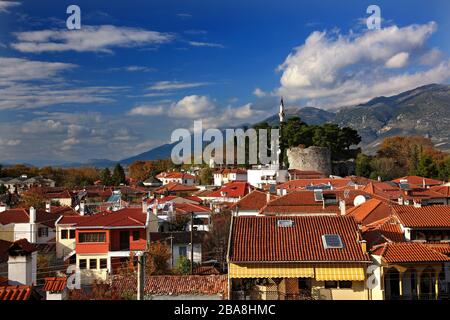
{"type": "Point", "coordinates": [141, 277]}
{"type": "Point", "coordinates": [192, 243]}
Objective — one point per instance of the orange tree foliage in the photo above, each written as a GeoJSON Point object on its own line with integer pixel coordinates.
{"type": "Point", "coordinates": [142, 170]}
{"type": "Point", "coordinates": [157, 259]}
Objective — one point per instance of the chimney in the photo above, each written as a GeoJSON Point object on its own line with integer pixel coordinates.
{"type": "Point", "coordinates": [48, 207]}
{"type": "Point", "coordinates": [417, 203]}
{"type": "Point", "coordinates": [363, 245]}
{"type": "Point", "coordinates": [424, 184]}
{"type": "Point", "coordinates": [32, 215]}
{"type": "Point", "coordinates": [342, 207]}
{"type": "Point", "coordinates": [267, 197]}
{"type": "Point", "coordinates": [144, 205]}
{"type": "Point", "coordinates": [400, 201]}
{"type": "Point", "coordinates": [33, 228]}
{"type": "Point", "coordinates": [82, 208]}
{"type": "Point", "coordinates": [379, 179]}
{"type": "Point", "coordinates": [22, 266]}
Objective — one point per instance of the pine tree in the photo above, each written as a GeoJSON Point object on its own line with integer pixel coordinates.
{"type": "Point", "coordinates": [118, 176]}
{"type": "Point", "coordinates": [105, 176]}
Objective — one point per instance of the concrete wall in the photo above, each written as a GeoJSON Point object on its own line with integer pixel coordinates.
{"type": "Point", "coordinates": [311, 159]}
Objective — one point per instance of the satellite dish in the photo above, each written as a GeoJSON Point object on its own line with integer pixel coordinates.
{"type": "Point", "coordinates": [359, 200]}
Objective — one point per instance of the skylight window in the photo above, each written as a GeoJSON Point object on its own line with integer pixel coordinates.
{"type": "Point", "coordinates": [332, 241]}
{"type": "Point", "coordinates": [318, 195]}
{"type": "Point", "coordinates": [285, 223]}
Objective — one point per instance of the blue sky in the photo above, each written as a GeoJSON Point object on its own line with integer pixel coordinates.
{"type": "Point", "coordinates": [139, 69]}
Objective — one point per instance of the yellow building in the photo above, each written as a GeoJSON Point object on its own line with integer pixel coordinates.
{"type": "Point", "coordinates": [297, 257]}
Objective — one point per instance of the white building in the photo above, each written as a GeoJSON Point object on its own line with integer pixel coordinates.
{"type": "Point", "coordinates": [223, 176]}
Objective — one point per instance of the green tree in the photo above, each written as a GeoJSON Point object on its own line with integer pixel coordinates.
{"type": "Point", "coordinates": [183, 265]}
{"type": "Point", "coordinates": [105, 176]}
{"type": "Point", "coordinates": [444, 169]}
{"type": "Point", "coordinates": [427, 167]}
{"type": "Point", "coordinates": [206, 176]}
{"type": "Point", "coordinates": [118, 176]}
{"type": "Point", "coordinates": [363, 167]}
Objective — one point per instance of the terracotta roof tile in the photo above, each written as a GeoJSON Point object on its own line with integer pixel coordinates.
{"type": "Point", "coordinates": [128, 217]}
{"type": "Point", "coordinates": [303, 183]}
{"type": "Point", "coordinates": [435, 216]}
{"type": "Point", "coordinates": [405, 252]}
{"type": "Point", "coordinates": [175, 285]}
{"type": "Point", "coordinates": [260, 239]}
{"type": "Point", "coordinates": [370, 211]}
{"type": "Point", "coordinates": [255, 200]}
{"type": "Point", "coordinates": [419, 180]}
{"type": "Point", "coordinates": [233, 189]}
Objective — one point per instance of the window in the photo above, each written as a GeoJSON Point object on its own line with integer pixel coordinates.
{"type": "Point", "coordinates": [92, 237]}
{"type": "Point", "coordinates": [136, 235]}
{"type": "Point", "coordinates": [43, 232]}
{"type": "Point", "coordinates": [331, 284]}
{"type": "Point", "coordinates": [345, 284]}
{"type": "Point", "coordinates": [63, 234]}
{"type": "Point", "coordinates": [72, 234]}
{"type": "Point", "coordinates": [182, 251]}
{"type": "Point", "coordinates": [92, 263]}
{"type": "Point", "coordinates": [285, 223]}
{"type": "Point", "coordinates": [332, 241]}
{"type": "Point", "coordinates": [82, 264]}
{"type": "Point", "coordinates": [103, 264]}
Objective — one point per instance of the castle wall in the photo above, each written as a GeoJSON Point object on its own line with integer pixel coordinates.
{"type": "Point", "coordinates": [311, 158]}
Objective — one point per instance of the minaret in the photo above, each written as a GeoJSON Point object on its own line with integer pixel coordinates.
{"type": "Point", "coordinates": [281, 117]}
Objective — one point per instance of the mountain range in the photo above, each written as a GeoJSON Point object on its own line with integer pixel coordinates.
{"type": "Point", "coordinates": [422, 111]}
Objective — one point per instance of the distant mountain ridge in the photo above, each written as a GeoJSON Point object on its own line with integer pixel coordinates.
{"type": "Point", "coordinates": [421, 111]}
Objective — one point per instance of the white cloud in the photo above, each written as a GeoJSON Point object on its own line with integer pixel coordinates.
{"type": "Point", "coordinates": [397, 61]}
{"type": "Point", "coordinates": [89, 38]}
{"type": "Point", "coordinates": [134, 68]}
{"type": "Point", "coordinates": [192, 107]}
{"type": "Point", "coordinates": [17, 69]}
{"type": "Point", "coordinates": [9, 142]}
{"type": "Point", "coordinates": [5, 5]}
{"type": "Point", "coordinates": [206, 44]}
{"type": "Point", "coordinates": [331, 69]}
{"type": "Point", "coordinates": [176, 85]}
{"type": "Point", "coordinates": [147, 110]}
{"type": "Point", "coordinates": [259, 93]}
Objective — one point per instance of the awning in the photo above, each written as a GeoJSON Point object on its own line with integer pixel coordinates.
{"type": "Point", "coordinates": [334, 272]}
{"type": "Point", "coordinates": [270, 271]}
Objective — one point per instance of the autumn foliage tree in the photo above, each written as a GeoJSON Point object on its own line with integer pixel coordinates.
{"type": "Point", "coordinates": [158, 256]}
{"type": "Point", "coordinates": [216, 241]}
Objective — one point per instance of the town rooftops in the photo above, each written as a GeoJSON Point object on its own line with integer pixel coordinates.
{"type": "Point", "coordinates": [175, 187]}
{"type": "Point", "coordinates": [304, 183]}
{"type": "Point", "coordinates": [311, 202]}
{"type": "Point", "coordinates": [370, 211]}
{"type": "Point", "coordinates": [193, 285]}
{"type": "Point", "coordinates": [20, 215]}
{"type": "Point", "coordinates": [234, 189]}
{"type": "Point", "coordinates": [406, 252]}
{"type": "Point", "coordinates": [436, 216]}
{"type": "Point", "coordinates": [294, 239]}
{"type": "Point", "coordinates": [175, 175]}
{"type": "Point", "coordinates": [254, 201]}
{"type": "Point", "coordinates": [128, 217]}
{"type": "Point", "coordinates": [385, 230]}
{"type": "Point", "coordinates": [419, 181]}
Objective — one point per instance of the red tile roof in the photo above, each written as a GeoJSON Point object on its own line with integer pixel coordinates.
{"type": "Point", "coordinates": [233, 189]}
{"type": "Point", "coordinates": [22, 245]}
{"type": "Point", "coordinates": [22, 216]}
{"type": "Point", "coordinates": [190, 207]}
{"type": "Point", "coordinates": [255, 201]}
{"type": "Point", "coordinates": [303, 183]}
{"type": "Point", "coordinates": [443, 248]}
{"type": "Point", "coordinates": [230, 170]}
{"type": "Point", "coordinates": [305, 174]}
{"type": "Point", "coordinates": [128, 217]}
{"type": "Point", "coordinates": [386, 230]}
{"type": "Point", "coordinates": [304, 202]}
{"type": "Point", "coordinates": [175, 175]}
{"type": "Point", "coordinates": [407, 252]}
{"type": "Point", "coordinates": [419, 180]}
{"type": "Point", "coordinates": [173, 187]}
{"type": "Point", "coordinates": [55, 284]}
{"type": "Point", "coordinates": [435, 216]}
{"type": "Point", "coordinates": [370, 211]}
{"type": "Point", "coordinates": [175, 285]}
{"type": "Point", "coordinates": [259, 239]}
{"type": "Point", "coordinates": [442, 190]}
